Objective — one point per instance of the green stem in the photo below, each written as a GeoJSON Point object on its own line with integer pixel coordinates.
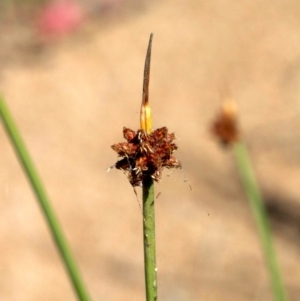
{"type": "Point", "coordinates": [259, 211]}
{"type": "Point", "coordinates": [149, 239]}
{"type": "Point", "coordinates": [37, 186]}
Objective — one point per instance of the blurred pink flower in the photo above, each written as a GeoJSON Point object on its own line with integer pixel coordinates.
{"type": "Point", "coordinates": [59, 18]}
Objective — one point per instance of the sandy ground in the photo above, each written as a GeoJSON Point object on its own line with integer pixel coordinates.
{"type": "Point", "coordinates": [71, 101]}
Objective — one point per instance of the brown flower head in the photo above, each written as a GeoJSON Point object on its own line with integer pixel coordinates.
{"type": "Point", "coordinates": [225, 126]}
{"type": "Point", "coordinates": [145, 155]}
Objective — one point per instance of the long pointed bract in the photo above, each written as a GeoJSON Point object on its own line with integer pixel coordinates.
{"type": "Point", "coordinates": [146, 117]}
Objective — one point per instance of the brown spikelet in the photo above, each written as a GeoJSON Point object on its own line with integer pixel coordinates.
{"type": "Point", "coordinates": [145, 154]}
{"type": "Point", "coordinates": [225, 126]}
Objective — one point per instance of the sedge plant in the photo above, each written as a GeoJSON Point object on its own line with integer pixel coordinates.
{"type": "Point", "coordinates": [148, 193]}
{"type": "Point", "coordinates": [226, 129]}
{"type": "Point", "coordinates": [144, 156]}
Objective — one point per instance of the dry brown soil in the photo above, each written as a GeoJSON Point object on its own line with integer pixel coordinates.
{"type": "Point", "coordinates": [71, 100]}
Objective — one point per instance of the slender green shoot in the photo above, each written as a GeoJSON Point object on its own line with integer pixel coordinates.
{"type": "Point", "coordinates": [44, 202]}
{"type": "Point", "coordinates": [149, 239]}
{"type": "Point", "coordinates": [260, 214]}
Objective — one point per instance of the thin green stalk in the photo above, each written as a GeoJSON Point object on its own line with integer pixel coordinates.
{"type": "Point", "coordinates": [38, 188]}
{"type": "Point", "coordinates": [149, 239]}
{"type": "Point", "coordinates": [259, 211]}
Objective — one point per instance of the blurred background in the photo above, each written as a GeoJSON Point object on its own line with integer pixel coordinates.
{"type": "Point", "coordinates": [71, 73]}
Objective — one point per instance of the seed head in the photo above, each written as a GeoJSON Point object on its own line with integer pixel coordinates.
{"type": "Point", "coordinates": [146, 154]}
{"type": "Point", "coordinates": [225, 126]}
